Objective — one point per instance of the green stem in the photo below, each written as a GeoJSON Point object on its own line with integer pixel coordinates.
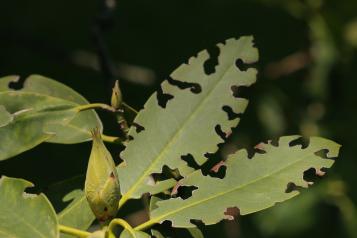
{"type": "Point", "coordinates": [130, 108]}
{"type": "Point", "coordinates": [95, 106]}
{"type": "Point", "coordinates": [73, 231]}
{"type": "Point", "coordinates": [145, 225]}
{"type": "Point", "coordinates": [121, 223]}
{"type": "Point", "coordinates": [112, 139]}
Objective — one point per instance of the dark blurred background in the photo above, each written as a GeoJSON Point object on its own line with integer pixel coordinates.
{"type": "Point", "coordinates": [307, 83]}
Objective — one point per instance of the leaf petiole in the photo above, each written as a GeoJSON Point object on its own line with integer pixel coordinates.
{"type": "Point", "coordinates": [134, 111]}
{"type": "Point", "coordinates": [112, 139]}
{"type": "Point", "coordinates": [121, 223]}
{"type": "Point", "coordinates": [145, 225]}
{"type": "Point", "coordinates": [73, 231]}
{"type": "Point", "coordinates": [95, 106]}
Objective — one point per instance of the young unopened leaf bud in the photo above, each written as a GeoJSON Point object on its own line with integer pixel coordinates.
{"type": "Point", "coordinates": [116, 96]}
{"type": "Point", "coordinates": [102, 185]}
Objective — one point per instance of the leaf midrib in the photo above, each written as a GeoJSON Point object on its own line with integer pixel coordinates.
{"type": "Point", "coordinates": [160, 218]}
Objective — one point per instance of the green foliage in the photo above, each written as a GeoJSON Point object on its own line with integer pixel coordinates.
{"type": "Point", "coordinates": [77, 214]}
{"type": "Point", "coordinates": [195, 112]}
{"type": "Point", "coordinates": [71, 204]}
{"type": "Point", "coordinates": [137, 234]}
{"type": "Point", "coordinates": [42, 111]}
{"type": "Point", "coordinates": [189, 129]}
{"type": "Point", "coordinates": [250, 185]}
{"type": "Point", "coordinates": [23, 214]}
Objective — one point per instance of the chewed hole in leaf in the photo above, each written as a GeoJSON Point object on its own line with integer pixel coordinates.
{"type": "Point", "coordinates": [194, 87]}
{"type": "Point", "coordinates": [230, 113]}
{"type": "Point", "coordinates": [17, 84]}
{"type": "Point", "coordinates": [312, 175]}
{"type": "Point", "coordinates": [32, 191]}
{"type": "Point", "coordinates": [274, 142]}
{"type": "Point", "coordinates": [138, 128]}
{"type": "Point", "coordinates": [191, 162]}
{"type": "Point", "coordinates": [167, 224]}
{"type": "Point", "coordinates": [214, 166]}
{"type": "Point", "coordinates": [240, 91]}
{"type": "Point", "coordinates": [231, 213]}
{"type": "Point", "coordinates": [210, 65]}
{"type": "Point", "coordinates": [163, 98]}
{"type": "Point", "coordinates": [185, 192]}
{"type": "Point", "coordinates": [301, 141]}
{"type": "Point", "coordinates": [166, 173]}
{"type": "Point", "coordinates": [322, 153]}
{"type": "Point", "coordinates": [241, 65]}
{"type": "Point", "coordinates": [197, 222]}
{"type": "Point", "coordinates": [221, 133]}
{"type": "Point", "coordinates": [290, 187]}
{"type": "Point", "coordinates": [258, 149]}
{"type": "Point", "coordinates": [219, 170]}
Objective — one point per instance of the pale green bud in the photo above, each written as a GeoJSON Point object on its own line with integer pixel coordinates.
{"type": "Point", "coordinates": [116, 96]}
{"type": "Point", "coordinates": [102, 185]}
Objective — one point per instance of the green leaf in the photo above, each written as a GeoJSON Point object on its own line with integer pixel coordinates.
{"type": "Point", "coordinates": [250, 185]}
{"type": "Point", "coordinates": [195, 232]}
{"type": "Point", "coordinates": [42, 111]}
{"type": "Point", "coordinates": [178, 130]}
{"type": "Point", "coordinates": [25, 215]}
{"type": "Point", "coordinates": [71, 204]}
{"type": "Point", "coordinates": [78, 129]}
{"type": "Point", "coordinates": [138, 234]}
{"type": "Point", "coordinates": [5, 116]}
{"type": "Point", "coordinates": [35, 120]}
{"type": "Point", "coordinates": [156, 234]}
{"type": "Point", "coordinates": [78, 213]}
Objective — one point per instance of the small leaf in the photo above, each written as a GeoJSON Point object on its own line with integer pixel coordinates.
{"type": "Point", "coordinates": [138, 234]}
{"type": "Point", "coordinates": [71, 204]}
{"type": "Point", "coordinates": [78, 129]}
{"type": "Point", "coordinates": [25, 215]}
{"type": "Point", "coordinates": [156, 234]}
{"type": "Point", "coordinates": [78, 213]}
{"type": "Point", "coordinates": [195, 232]}
{"type": "Point", "coordinates": [250, 185]}
{"type": "Point", "coordinates": [188, 123]}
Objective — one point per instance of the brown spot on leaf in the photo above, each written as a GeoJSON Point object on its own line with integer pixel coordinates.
{"type": "Point", "coordinates": [231, 213]}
